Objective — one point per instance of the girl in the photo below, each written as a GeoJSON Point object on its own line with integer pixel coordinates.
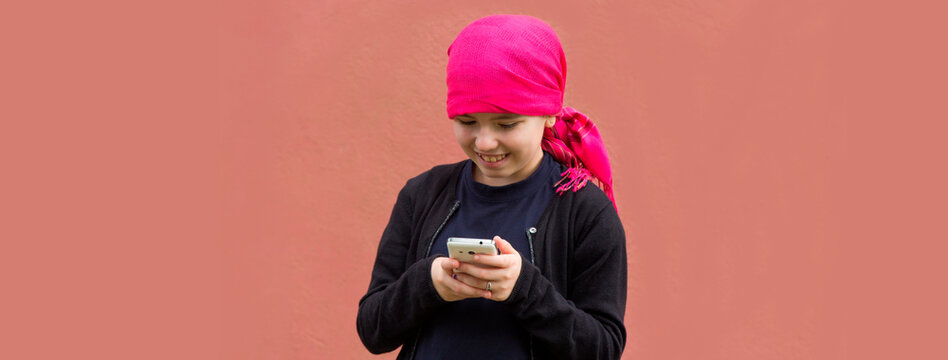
{"type": "Point", "coordinates": [557, 289]}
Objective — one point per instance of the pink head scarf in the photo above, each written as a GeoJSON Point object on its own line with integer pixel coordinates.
{"type": "Point", "coordinates": [515, 64]}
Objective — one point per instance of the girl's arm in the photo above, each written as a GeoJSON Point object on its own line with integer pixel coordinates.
{"type": "Point", "coordinates": [589, 323]}
{"type": "Point", "coordinates": [400, 293]}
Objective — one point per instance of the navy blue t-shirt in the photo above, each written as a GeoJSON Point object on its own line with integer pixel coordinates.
{"type": "Point", "coordinates": [479, 328]}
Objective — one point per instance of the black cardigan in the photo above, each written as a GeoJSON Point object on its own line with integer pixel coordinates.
{"type": "Point", "coordinates": [571, 299]}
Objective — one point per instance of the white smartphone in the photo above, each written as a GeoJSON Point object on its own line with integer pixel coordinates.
{"type": "Point", "coordinates": [464, 249]}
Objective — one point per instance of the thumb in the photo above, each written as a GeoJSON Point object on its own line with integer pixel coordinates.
{"type": "Point", "coordinates": [504, 246]}
{"type": "Point", "coordinates": [448, 264]}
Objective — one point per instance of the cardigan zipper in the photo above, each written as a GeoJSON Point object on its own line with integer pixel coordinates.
{"type": "Point", "coordinates": [457, 204]}
{"type": "Point", "coordinates": [532, 230]}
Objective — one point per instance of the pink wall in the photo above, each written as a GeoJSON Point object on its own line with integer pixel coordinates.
{"type": "Point", "coordinates": [726, 122]}
{"type": "Point", "coordinates": [210, 179]}
{"type": "Point", "coordinates": [718, 117]}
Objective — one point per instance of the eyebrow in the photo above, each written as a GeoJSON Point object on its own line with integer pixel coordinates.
{"type": "Point", "coordinates": [498, 117]}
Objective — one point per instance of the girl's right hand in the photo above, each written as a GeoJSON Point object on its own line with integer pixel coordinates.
{"type": "Point", "coordinates": [449, 287]}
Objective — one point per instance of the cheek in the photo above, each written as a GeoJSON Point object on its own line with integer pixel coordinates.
{"type": "Point", "coordinates": [463, 137]}
{"type": "Point", "coordinates": [531, 142]}
{"type": "Point", "coordinates": [458, 133]}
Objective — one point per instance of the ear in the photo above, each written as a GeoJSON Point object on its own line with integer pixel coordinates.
{"type": "Point", "coordinates": [550, 121]}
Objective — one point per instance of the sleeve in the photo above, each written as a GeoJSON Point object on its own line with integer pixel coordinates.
{"type": "Point", "coordinates": [400, 293]}
{"type": "Point", "coordinates": [588, 324]}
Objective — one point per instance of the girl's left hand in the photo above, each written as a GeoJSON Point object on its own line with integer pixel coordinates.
{"type": "Point", "coordinates": [500, 271]}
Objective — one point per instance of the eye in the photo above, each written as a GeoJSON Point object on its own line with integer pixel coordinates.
{"type": "Point", "coordinates": [509, 126]}
{"type": "Point", "coordinates": [465, 122]}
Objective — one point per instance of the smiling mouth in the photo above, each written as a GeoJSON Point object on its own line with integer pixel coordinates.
{"type": "Point", "coordinates": [492, 158]}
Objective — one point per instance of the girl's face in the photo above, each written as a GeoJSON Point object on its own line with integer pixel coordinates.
{"type": "Point", "coordinates": [505, 147]}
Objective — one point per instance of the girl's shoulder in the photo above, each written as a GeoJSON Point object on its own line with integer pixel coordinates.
{"type": "Point", "coordinates": [434, 181]}
{"type": "Point", "coordinates": [586, 204]}
{"type": "Point", "coordinates": [589, 196]}
{"type": "Point", "coordinates": [438, 173]}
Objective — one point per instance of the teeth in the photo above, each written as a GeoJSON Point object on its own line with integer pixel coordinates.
{"type": "Point", "coordinates": [493, 158]}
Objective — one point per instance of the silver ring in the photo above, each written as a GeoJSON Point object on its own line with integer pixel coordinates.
{"type": "Point", "coordinates": [488, 286]}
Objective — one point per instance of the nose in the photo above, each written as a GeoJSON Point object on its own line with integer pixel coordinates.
{"type": "Point", "coordinates": [485, 140]}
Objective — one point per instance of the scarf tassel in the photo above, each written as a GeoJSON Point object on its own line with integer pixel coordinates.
{"type": "Point", "coordinates": [573, 178]}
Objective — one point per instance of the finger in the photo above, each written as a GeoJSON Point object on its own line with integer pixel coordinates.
{"type": "Point", "coordinates": [472, 281]}
{"type": "Point", "coordinates": [499, 261]}
{"type": "Point", "coordinates": [449, 264]}
{"type": "Point", "coordinates": [481, 285]}
{"type": "Point", "coordinates": [504, 246]}
{"type": "Point", "coordinates": [481, 272]}
{"type": "Point", "coordinates": [465, 290]}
